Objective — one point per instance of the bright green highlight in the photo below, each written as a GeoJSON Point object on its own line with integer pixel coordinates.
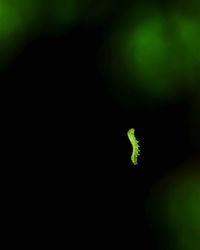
{"type": "Point", "coordinates": [158, 51]}
{"type": "Point", "coordinates": [150, 51]}
{"type": "Point", "coordinates": [134, 143]}
{"type": "Point", "coordinates": [152, 55]}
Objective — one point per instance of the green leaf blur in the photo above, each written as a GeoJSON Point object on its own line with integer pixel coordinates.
{"type": "Point", "coordinates": [158, 51]}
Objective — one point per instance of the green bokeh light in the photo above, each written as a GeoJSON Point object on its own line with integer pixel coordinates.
{"type": "Point", "coordinates": [158, 52]}
{"type": "Point", "coordinates": [174, 207]}
{"type": "Point", "coordinates": [149, 53]}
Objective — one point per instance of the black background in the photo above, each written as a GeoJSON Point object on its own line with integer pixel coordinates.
{"type": "Point", "coordinates": [72, 148]}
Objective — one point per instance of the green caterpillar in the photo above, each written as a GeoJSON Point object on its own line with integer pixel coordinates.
{"type": "Point", "coordinates": [134, 142]}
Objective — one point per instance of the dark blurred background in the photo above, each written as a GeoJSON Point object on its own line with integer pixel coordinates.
{"type": "Point", "coordinates": [78, 75]}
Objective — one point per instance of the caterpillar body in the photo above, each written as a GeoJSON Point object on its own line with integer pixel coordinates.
{"type": "Point", "coordinates": [135, 145]}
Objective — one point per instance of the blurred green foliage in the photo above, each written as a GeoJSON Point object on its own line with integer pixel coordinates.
{"type": "Point", "coordinates": [156, 51]}
{"type": "Point", "coordinates": [153, 52]}
{"type": "Point", "coordinates": [21, 19]}
{"type": "Point", "coordinates": [10, 20]}
{"type": "Point", "coordinates": [173, 209]}
{"type": "Point", "coordinates": [18, 21]}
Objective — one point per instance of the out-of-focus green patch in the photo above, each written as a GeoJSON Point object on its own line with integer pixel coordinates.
{"type": "Point", "coordinates": [61, 14]}
{"type": "Point", "coordinates": [18, 20]}
{"type": "Point", "coordinates": [186, 28]}
{"type": "Point", "coordinates": [174, 207]}
{"type": "Point", "coordinates": [21, 19]}
{"type": "Point", "coordinates": [156, 53]}
{"type": "Point", "coordinates": [149, 51]}
{"type": "Point", "coordinates": [10, 19]}
{"type": "Point", "coordinates": [96, 12]}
